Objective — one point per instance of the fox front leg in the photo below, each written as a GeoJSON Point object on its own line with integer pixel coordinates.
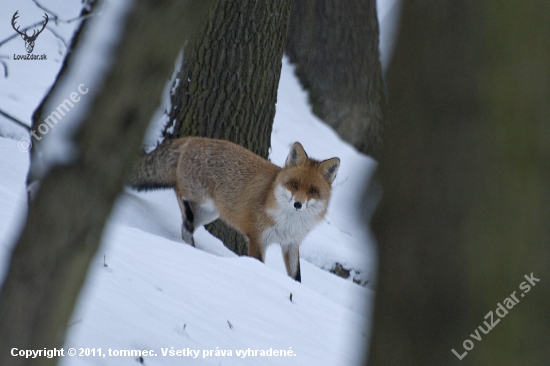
{"type": "Point", "coordinates": [255, 248]}
{"type": "Point", "coordinates": [291, 256]}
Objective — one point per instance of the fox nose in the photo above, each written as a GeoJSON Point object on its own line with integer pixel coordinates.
{"type": "Point", "coordinates": [297, 205]}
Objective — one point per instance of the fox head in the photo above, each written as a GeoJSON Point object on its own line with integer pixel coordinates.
{"type": "Point", "coordinates": [304, 184]}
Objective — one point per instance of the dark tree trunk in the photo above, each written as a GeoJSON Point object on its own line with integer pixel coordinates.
{"type": "Point", "coordinates": [65, 221]}
{"type": "Point", "coordinates": [37, 169]}
{"type": "Point", "coordinates": [465, 171]}
{"type": "Point", "coordinates": [334, 45]}
{"type": "Point", "coordinates": [227, 85]}
{"type": "Point", "coordinates": [87, 9]}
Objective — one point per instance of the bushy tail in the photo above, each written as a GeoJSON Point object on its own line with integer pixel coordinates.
{"type": "Point", "coordinates": [156, 170]}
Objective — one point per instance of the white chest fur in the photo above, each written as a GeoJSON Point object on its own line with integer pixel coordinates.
{"type": "Point", "coordinates": [291, 225]}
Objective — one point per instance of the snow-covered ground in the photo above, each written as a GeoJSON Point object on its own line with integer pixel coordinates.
{"type": "Point", "coordinates": [147, 290]}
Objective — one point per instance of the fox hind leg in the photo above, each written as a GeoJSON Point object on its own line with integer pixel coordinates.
{"type": "Point", "coordinates": [188, 218]}
{"type": "Point", "coordinates": [188, 225]}
{"type": "Point", "coordinates": [194, 215]}
{"type": "Point", "coordinates": [205, 212]}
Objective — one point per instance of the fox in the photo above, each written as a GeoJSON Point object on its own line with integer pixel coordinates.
{"type": "Point", "coordinates": [219, 179]}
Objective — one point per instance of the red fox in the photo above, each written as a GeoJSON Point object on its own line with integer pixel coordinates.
{"type": "Point", "coordinates": [266, 203]}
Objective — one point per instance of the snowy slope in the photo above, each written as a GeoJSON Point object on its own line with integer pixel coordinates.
{"type": "Point", "coordinates": [146, 289]}
{"type": "Point", "coordinates": [342, 238]}
{"type": "Point", "coordinates": [157, 293]}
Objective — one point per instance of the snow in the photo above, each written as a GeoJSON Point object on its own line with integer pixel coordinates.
{"type": "Point", "coordinates": [147, 290]}
{"type": "Point", "coordinates": [161, 118]}
{"type": "Point", "coordinates": [29, 81]}
{"type": "Point", "coordinates": [342, 225]}
{"type": "Point", "coordinates": [155, 293]}
{"type": "Point", "coordinates": [388, 12]}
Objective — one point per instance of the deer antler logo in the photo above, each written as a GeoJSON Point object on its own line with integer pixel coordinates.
{"type": "Point", "coordinates": [29, 40]}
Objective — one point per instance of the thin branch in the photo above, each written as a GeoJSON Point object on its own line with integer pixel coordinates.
{"type": "Point", "coordinates": [80, 17]}
{"type": "Point", "coordinates": [13, 119]}
{"type": "Point", "coordinates": [60, 38]}
{"type": "Point", "coordinates": [5, 65]}
{"type": "Point", "coordinates": [54, 16]}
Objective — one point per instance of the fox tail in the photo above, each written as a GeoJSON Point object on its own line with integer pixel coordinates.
{"type": "Point", "coordinates": [156, 170]}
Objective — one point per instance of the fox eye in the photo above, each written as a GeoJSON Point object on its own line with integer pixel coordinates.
{"type": "Point", "coordinates": [294, 185]}
{"type": "Point", "coordinates": [312, 191]}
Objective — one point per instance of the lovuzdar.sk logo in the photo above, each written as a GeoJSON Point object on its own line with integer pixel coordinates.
{"type": "Point", "coordinates": [29, 40]}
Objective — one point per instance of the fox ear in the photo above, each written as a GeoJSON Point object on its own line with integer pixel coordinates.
{"type": "Point", "coordinates": [329, 168]}
{"type": "Point", "coordinates": [297, 155]}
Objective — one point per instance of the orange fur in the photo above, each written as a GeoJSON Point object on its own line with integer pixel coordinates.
{"type": "Point", "coordinates": [266, 203]}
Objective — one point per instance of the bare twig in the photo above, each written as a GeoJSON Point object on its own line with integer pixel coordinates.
{"type": "Point", "coordinates": [54, 16]}
{"type": "Point", "coordinates": [5, 65]}
{"type": "Point", "coordinates": [83, 15]}
{"type": "Point", "coordinates": [60, 38]}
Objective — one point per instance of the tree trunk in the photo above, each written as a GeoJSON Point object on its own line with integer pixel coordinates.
{"type": "Point", "coordinates": [37, 168]}
{"type": "Point", "coordinates": [334, 45]}
{"type": "Point", "coordinates": [227, 85]}
{"type": "Point", "coordinates": [465, 213]}
{"type": "Point", "coordinates": [65, 221]}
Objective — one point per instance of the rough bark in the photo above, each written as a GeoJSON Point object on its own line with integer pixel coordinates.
{"type": "Point", "coordinates": [65, 221]}
{"type": "Point", "coordinates": [334, 45]}
{"type": "Point", "coordinates": [227, 85]}
{"type": "Point", "coordinates": [465, 171]}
